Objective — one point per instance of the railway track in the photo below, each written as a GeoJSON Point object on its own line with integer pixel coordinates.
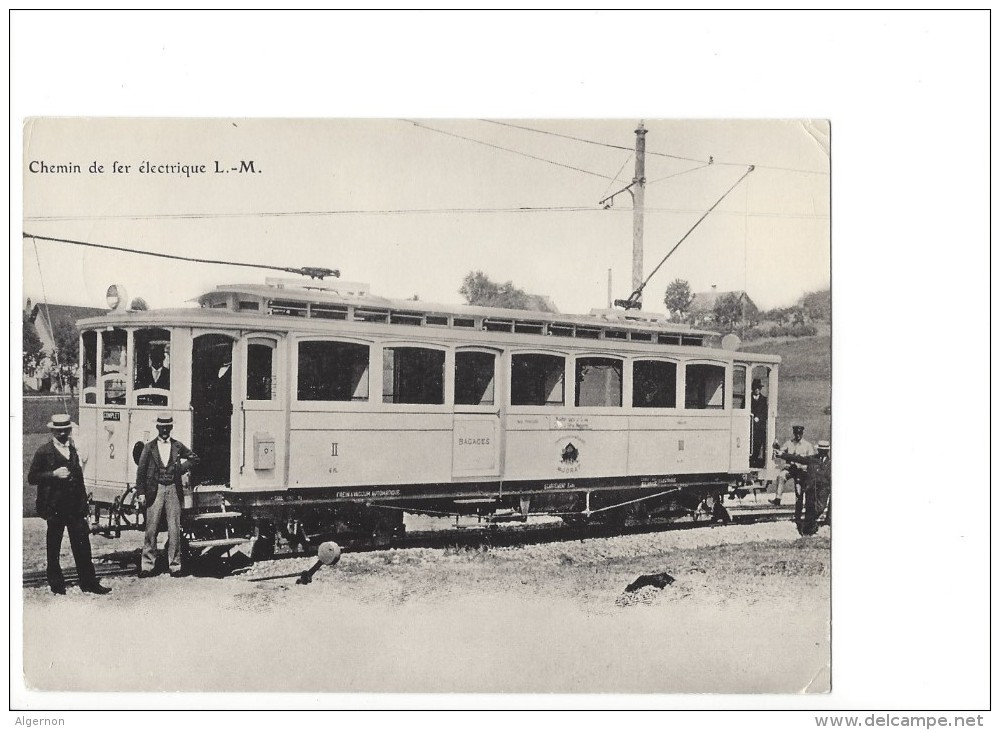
{"type": "Point", "coordinates": [125, 563]}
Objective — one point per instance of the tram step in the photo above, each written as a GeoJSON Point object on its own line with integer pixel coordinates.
{"type": "Point", "coordinates": [221, 542]}
{"type": "Point", "coordinates": [217, 516]}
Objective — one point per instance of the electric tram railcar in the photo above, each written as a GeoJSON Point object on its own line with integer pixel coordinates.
{"type": "Point", "coordinates": [320, 409]}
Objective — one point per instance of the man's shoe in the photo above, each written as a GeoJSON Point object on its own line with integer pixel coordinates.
{"type": "Point", "coordinates": [146, 574]}
{"type": "Point", "coordinates": [58, 590]}
{"type": "Point", "coordinates": [775, 502]}
{"type": "Point", "coordinates": [96, 588]}
{"type": "Point", "coordinates": [176, 573]}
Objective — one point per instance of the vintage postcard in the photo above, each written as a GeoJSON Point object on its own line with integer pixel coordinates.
{"type": "Point", "coordinates": [427, 405]}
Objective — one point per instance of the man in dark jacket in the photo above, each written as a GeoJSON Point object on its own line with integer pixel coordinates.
{"type": "Point", "coordinates": [816, 496]}
{"type": "Point", "coordinates": [758, 425]}
{"type": "Point", "coordinates": [62, 502]}
{"type": "Point", "coordinates": [158, 483]}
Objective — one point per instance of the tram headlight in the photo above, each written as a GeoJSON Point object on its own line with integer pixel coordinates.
{"type": "Point", "coordinates": [116, 296]}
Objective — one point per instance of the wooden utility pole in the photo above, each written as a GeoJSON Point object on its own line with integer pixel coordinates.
{"type": "Point", "coordinates": [638, 203]}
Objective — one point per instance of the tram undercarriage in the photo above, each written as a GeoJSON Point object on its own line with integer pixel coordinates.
{"type": "Point", "coordinates": [259, 525]}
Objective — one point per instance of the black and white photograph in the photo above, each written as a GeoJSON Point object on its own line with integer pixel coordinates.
{"type": "Point", "coordinates": [454, 402]}
{"type": "Point", "coordinates": [493, 383]}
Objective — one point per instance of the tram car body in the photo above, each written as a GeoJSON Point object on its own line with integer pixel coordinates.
{"type": "Point", "coordinates": [318, 408]}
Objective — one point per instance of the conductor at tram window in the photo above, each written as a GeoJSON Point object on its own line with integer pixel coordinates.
{"type": "Point", "coordinates": [163, 462]}
{"type": "Point", "coordinates": [156, 374]}
{"type": "Point", "coordinates": [758, 425]}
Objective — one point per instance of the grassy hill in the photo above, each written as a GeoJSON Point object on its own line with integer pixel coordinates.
{"type": "Point", "coordinates": [804, 384]}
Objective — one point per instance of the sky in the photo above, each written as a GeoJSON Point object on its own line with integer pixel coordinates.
{"type": "Point", "coordinates": [411, 206]}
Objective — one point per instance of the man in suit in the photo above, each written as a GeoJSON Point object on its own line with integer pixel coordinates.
{"type": "Point", "coordinates": [758, 425]}
{"type": "Point", "coordinates": [62, 502]}
{"type": "Point", "coordinates": [158, 483]}
{"type": "Point", "coordinates": [157, 375]}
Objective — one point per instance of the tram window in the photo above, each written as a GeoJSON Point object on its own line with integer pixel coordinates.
{"type": "Point", "coordinates": [654, 384]}
{"type": "Point", "coordinates": [113, 366]}
{"type": "Point", "coordinates": [90, 367]}
{"type": "Point", "coordinates": [537, 380]}
{"type": "Point", "coordinates": [333, 371]}
{"type": "Point", "coordinates": [704, 386]}
{"type": "Point", "coordinates": [152, 367]}
{"type": "Point", "coordinates": [598, 382]}
{"type": "Point", "coordinates": [261, 380]}
{"type": "Point", "coordinates": [739, 387]}
{"type": "Point", "coordinates": [474, 378]}
{"type": "Point", "coordinates": [412, 375]}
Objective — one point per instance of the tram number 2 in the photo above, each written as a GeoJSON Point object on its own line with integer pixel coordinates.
{"type": "Point", "coordinates": [111, 451]}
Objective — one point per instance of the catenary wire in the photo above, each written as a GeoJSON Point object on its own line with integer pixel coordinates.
{"type": "Point", "coordinates": [653, 152]}
{"type": "Point", "coordinates": [508, 149]}
{"type": "Point", "coordinates": [317, 213]}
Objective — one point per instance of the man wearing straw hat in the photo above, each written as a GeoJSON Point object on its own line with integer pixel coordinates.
{"type": "Point", "coordinates": [62, 502]}
{"type": "Point", "coordinates": [163, 462]}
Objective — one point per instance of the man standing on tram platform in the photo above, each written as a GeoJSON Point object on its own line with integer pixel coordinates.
{"type": "Point", "coordinates": [795, 473]}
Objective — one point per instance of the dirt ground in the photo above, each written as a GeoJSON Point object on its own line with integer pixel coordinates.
{"type": "Point", "coordinates": [749, 611]}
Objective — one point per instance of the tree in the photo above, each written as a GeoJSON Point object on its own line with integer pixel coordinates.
{"type": "Point", "coordinates": [31, 342]}
{"type": "Point", "coordinates": [734, 313]}
{"type": "Point", "coordinates": [67, 342]}
{"type": "Point", "coordinates": [817, 305]}
{"type": "Point", "coordinates": [678, 299]}
{"type": "Point", "coordinates": [479, 289]}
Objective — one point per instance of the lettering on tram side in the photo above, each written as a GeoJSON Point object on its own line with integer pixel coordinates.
{"type": "Point", "coordinates": [368, 493]}
{"type": "Point", "coordinates": [112, 415]}
{"type": "Point", "coordinates": [558, 485]}
{"type": "Point", "coordinates": [474, 442]}
{"type": "Point", "coordinates": [658, 482]}
{"type": "Point", "coordinates": [569, 423]}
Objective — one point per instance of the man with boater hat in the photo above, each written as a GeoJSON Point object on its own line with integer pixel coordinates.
{"type": "Point", "coordinates": [62, 502]}
{"type": "Point", "coordinates": [158, 483]}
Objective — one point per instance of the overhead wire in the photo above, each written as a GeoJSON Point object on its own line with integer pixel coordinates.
{"type": "Point", "coordinates": [305, 270]}
{"type": "Point", "coordinates": [588, 141]}
{"type": "Point", "coordinates": [508, 149]}
{"type": "Point", "coordinates": [616, 175]}
{"type": "Point", "coordinates": [652, 152]}
{"type": "Point", "coordinates": [318, 213]}
{"type": "Point", "coordinates": [636, 296]}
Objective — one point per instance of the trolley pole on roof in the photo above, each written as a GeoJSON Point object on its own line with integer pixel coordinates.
{"type": "Point", "coordinates": [639, 200]}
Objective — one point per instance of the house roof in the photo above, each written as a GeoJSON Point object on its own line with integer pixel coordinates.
{"type": "Point", "coordinates": [705, 301]}
{"type": "Point", "coordinates": [41, 314]}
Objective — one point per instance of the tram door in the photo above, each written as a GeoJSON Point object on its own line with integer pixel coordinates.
{"type": "Point", "coordinates": [212, 407]}
{"type": "Point", "coordinates": [740, 446]}
{"type": "Point", "coordinates": [261, 441]}
{"type": "Point", "coordinates": [476, 437]}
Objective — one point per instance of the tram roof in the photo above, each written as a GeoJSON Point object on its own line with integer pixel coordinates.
{"type": "Point", "coordinates": [616, 319]}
